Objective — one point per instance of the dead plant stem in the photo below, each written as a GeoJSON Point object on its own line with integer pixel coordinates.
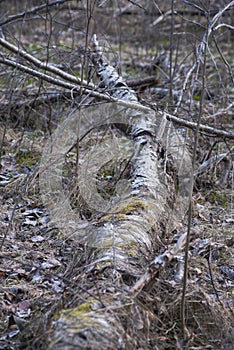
{"type": "Point", "coordinates": [171, 51]}
{"type": "Point", "coordinates": [185, 332]}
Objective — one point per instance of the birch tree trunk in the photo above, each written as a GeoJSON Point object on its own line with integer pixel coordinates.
{"type": "Point", "coordinates": [109, 314]}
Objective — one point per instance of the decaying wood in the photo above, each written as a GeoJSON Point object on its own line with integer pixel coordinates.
{"type": "Point", "coordinates": [128, 233]}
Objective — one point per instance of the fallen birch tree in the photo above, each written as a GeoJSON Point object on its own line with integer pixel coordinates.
{"type": "Point", "coordinates": [130, 280]}
{"type": "Point", "coordinates": [111, 310]}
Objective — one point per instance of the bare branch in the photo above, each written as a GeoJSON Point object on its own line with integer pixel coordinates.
{"type": "Point", "coordinates": [202, 127]}
{"type": "Point", "coordinates": [32, 11]}
{"type": "Point", "coordinates": [162, 17]}
{"type": "Point", "coordinates": [201, 47]}
{"type": "Point", "coordinates": [218, 15]}
{"type": "Point", "coordinates": [46, 66]}
{"type": "Point", "coordinates": [209, 162]}
{"type": "Point", "coordinates": [224, 25]}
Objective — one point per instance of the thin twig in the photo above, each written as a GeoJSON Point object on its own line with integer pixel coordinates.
{"type": "Point", "coordinates": [212, 160]}
{"type": "Point", "coordinates": [208, 258]}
